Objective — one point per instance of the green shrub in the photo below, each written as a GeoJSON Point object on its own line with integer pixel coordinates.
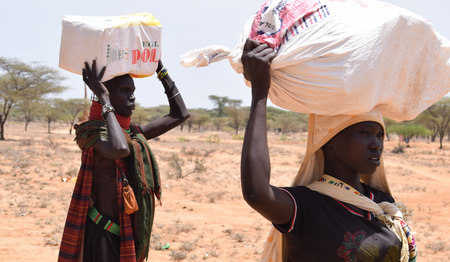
{"type": "Point", "coordinates": [182, 139]}
{"type": "Point", "coordinates": [213, 139]}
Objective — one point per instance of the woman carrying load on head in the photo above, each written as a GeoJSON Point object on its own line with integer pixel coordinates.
{"type": "Point", "coordinates": [103, 224]}
{"type": "Point", "coordinates": [339, 207]}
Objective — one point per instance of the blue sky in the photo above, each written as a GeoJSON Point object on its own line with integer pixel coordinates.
{"type": "Point", "coordinates": [31, 32]}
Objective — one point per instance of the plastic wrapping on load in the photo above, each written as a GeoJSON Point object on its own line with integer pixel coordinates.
{"type": "Point", "coordinates": [344, 57]}
{"type": "Point", "coordinates": [129, 44]}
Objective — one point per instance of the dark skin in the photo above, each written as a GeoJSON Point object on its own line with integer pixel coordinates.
{"type": "Point", "coordinates": [119, 92]}
{"type": "Point", "coordinates": [357, 149]}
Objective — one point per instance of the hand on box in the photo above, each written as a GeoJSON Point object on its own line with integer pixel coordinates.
{"type": "Point", "coordinates": [160, 66]}
{"type": "Point", "coordinates": [93, 80]}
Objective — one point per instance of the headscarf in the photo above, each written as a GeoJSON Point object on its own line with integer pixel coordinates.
{"type": "Point", "coordinates": [321, 130]}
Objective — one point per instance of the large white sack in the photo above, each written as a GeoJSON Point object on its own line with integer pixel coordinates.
{"type": "Point", "coordinates": [345, 57]}
{"type": "Point", "coordinates": [128, 44]}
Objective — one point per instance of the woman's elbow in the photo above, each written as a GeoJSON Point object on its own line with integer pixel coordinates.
{"type": "Point", "coordinates": [119, 152]}
{"type": "Point", "coordinates": [250, 197]}
{"type": "Point", "coordinates": [254, 198]}
{"type": "Point", "coordinates": [183, 117]}
{"type": "Point", "coordinates": [123, 152]}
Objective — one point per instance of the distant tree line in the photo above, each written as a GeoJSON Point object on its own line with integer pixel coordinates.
{"type": "Point", "coordinates": [24, 91]}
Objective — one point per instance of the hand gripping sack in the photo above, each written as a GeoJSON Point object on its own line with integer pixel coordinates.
{"type": "Point", "coordinates": [128, 44]}
{"type": "Point", "coordinates": [345, 57]}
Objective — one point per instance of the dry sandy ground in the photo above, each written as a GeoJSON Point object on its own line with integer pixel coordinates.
{"type": "Point", "coordinates": [203, 216]}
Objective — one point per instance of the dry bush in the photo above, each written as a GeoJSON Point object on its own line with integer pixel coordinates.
{"type": "Point", "coordinates": [177, 256]}
{"type": "Point", "coordinates": [182, 139]}
{"type": "Point", "coordinates": [412, 188]}
{"type": "Point", "coordinates": [188, 245]}
{"type": "Point", "coordinates": [436, 246]}
{"type": "Point", "coordinates": [176, 164]}
{"type": "Point", "coordinates": [239, 237]}
{"type": "Point", "coordinates": [213, 251]}
{"type": "Point", "coordinates": [213, 139]}
{"type": "Point", "coordinates": [214, 196]}
{"type": "Point", "coordinates": [398, 149]}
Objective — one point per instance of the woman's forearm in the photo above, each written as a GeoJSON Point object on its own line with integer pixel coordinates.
{"type": "Point", "coordinates": [255, 161]}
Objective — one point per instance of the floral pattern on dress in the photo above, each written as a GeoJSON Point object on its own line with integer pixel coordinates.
{"type": "Point", "coordinates": [349, 248]}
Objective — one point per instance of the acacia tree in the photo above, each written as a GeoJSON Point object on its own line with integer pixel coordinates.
{"type": "Point", "coordinates": [286, 121]}
{"type": "Point", "coordinates": [235, 114]}
{"type": "Point", "coordinates": [71, 109]}
{"type": "Point", "coordinates": [29, 109]}
{"type": "Point", "coordinates": [22, 82]}
{"type": "Point", "coordinates": [201, 119]}
{"type": "Point", "coordinates": [407, 131]}
{"type": "Point", "coordinates": [219, 122]}
{"type": "Point", "coordinates": [286, 124]}
{"type": "Point", "coordinates": [438, 115]}
{"type": "Point", "coordinates": [220, 102]}
{"type": "Point", "coordinates": [390, 122]}
{"type": "Point", "coordinates": [50, 109]}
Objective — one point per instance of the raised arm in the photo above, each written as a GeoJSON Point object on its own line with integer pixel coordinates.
{"type": "Point", "coordinates": [178, 111]}
{"type": "Point", "coordinates": [270, 201]}
{"type": "Point", "coordinates": [116, 145]}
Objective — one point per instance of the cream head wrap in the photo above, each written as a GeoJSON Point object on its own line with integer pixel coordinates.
{"type": "Point", "coordinates": [321, 130]}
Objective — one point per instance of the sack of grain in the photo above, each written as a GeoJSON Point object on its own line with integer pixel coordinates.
{"type": "Point", "coordinates": [345, 57]}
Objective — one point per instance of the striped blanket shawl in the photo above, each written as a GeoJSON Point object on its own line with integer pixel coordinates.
{"type": "Point", "coordinates": [143, 176]}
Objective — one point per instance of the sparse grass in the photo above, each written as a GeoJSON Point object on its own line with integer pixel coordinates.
{"type": "Point", "coordinates": [22, 209]}
{"type": "Point", "coordinates": [400, 148]}
{"type": "Point", "coordinates": [199, 165]}
{"type": "Point", "coordinates": [53, 238]}
{"type": "Point", "coordinates": [184, 228]}
{"type": "Point", "coordinates": [427, 152]}
{"type": "Point", "coordinates": [436, 246]}
{"type": "Point", "coordinates": [413, 188]}
{"type": "Point", "coordinates": [52, 143]}
{"type": "Point", "coordinates": [190, 151]}
{"type": "Point", "coordinates": [206, 203]}
{"type": "Point", "coordinates": [433, 227]}
{"type": "Point", "coordinates": [52, 241]}
{"type": "Point", "coordinates": [21, 163]}
{"type": "Point", "coordinates": [43, 204]}
{"type": "Point", "coordinates": [258, 226]}
{"type": "Point", "coordinates": [284, 138]}
{"type": "Point", "coordinates": [155, 241]}
{"type": "Point", "coordinates": [213, 250]}
{"type": "Point", "coordinates": [239, 237]}
{"type": "Point", "coordinates": [176, 163]}
{"type": "Point", "coordinates": [182, 139]}
{"type": "Point", "coordinates": [214, 196]}
{"type": "Point", "coordinates": [213, 139]}
{"type": "Point", "coordinates": [72, 172]}
{"type": "Point", "coordinates": [27, 142]}
{"type": "Point", "coordinates": [238, 137]}
{"type": "Point", "coordinates": [194, 152]}
{"type": "Point", "coordinates": [178, 255]}
{"type": "Point", "coordinates": [188, 245]}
